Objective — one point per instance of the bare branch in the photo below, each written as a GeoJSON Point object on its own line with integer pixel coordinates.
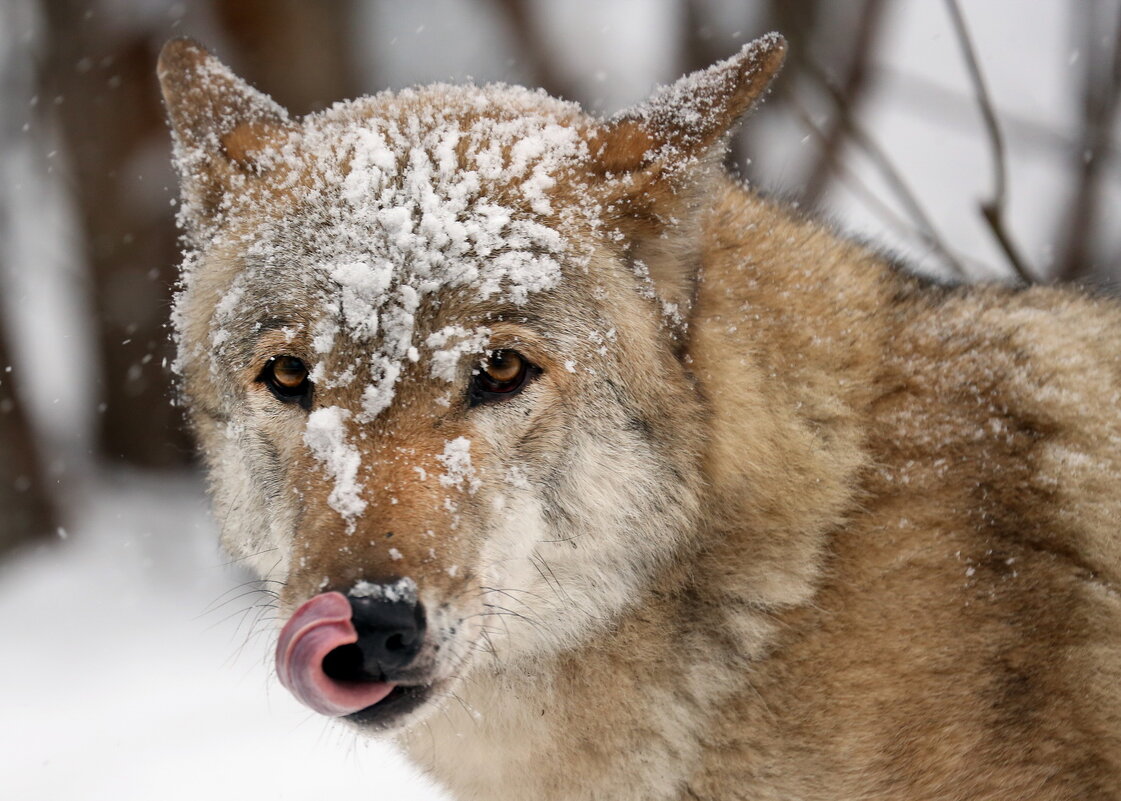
{"type": "Point", "coordinates": [992, 210]}
{"type": "Point", "coordinates": [909, 230]}
{"type": "Point", "coordinates": [958, 111]}
{"type": "Point", "coordinates": [924, 227]}
{"type": "Point", "coordinates": [798, 22]}
{"type": "Point", "coordinates": [848, 95]}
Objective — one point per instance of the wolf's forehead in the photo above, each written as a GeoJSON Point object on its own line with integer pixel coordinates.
{"type": "Point", "coordinates": [408, 205]}
{"type": "Point", "coordinates": [444, 141]}
{"type": "Point", "coordinates": [440, 187]}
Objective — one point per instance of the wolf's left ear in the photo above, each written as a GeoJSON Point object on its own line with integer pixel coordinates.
{"type": "Point", "coordinates": [224, 129]}
{"type": "Point", "coordinates": [657, 163]}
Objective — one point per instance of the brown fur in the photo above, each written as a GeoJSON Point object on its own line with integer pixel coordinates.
{"type": "Point", "coordinates": [898, 576]}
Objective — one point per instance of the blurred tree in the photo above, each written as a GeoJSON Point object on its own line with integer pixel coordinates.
{"type": "Point", "coordinates": [97, 79]}
{"type": "Point", "coordinates": [848, 89]}
{"type": "Point", "coordinates": [532, 40]}
{"type": "Point", "coordinates": [1099, 91]}
{"type": "Point", "coordinates": [301, 53]}
{"type": "Point", "coordinates": [27, 512]}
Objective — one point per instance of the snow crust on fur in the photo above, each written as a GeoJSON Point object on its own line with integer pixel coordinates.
{"type": "Point", "coordinates": [458, 470]}
{"type": "Point", "coordinates": [326, 438]}
{"type": "Point", "coordinates": [403, 590]}
{"type": "Point", "coordinates": [412, 221]}
{"type": "Point", "coordinates": [450, 344]}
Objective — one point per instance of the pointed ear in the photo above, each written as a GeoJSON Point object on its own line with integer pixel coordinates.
{"type": "Point", "coordinates": [224, 129]}
{"type": "Point", "coordinates": [658, 162]}
{"type": "Point", "coordinates": [684, 120]}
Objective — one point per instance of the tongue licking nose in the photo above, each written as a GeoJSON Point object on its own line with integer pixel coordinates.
{"type": "Point", "coordinates": [317, 628]}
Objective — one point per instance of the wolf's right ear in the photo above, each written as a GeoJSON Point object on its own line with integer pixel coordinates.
{"type": "Point", "coordinates": [654, 164]}
{"type": "Point", "coordinates": [224, 129]}
{"type": "Point", "coordinates": [681, 123]}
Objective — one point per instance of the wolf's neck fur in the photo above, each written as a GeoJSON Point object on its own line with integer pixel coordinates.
{"type": "Point", "coordinates": [786, 338]}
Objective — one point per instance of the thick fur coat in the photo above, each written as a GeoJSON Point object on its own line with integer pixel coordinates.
{"type": "Point", "coordinates": [772, 519]}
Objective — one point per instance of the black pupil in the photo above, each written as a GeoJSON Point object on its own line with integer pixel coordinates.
{"type": "Point", "coordinates": [502, 376]}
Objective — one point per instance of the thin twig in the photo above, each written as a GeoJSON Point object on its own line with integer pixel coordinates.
{"type": "Point", "coordinates": [849, 94]}
{"type": "Point", "coordinates": [924, 227]}
{"type": "Point", "coordinates": [992, 210]}
{"type": "Point", "coordinates": [908, 230]}
{"type": "Point", "coordinates": [957, 110]}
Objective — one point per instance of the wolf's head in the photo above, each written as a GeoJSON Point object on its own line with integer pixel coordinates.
{"type": "Point", "coordinates": [434, 345]}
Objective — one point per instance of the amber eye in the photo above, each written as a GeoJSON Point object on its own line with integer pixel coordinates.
{"type": "Point", "coordinates": [502, 375]}
{"type": "Point", "coordinates": [287, 379]}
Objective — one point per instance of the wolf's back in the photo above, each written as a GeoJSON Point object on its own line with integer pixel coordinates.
{"type": "Point", "coordinates": [963, 453]}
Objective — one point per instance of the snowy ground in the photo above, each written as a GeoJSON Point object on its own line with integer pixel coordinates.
{"type": "Point", "coordinates": [128, 673]}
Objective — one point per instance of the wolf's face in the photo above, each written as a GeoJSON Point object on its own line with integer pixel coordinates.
{"type": "Point", "coordinates": [432, 346]}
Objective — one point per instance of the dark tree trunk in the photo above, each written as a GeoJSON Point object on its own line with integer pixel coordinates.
{"type": "Point", "coordinates": [99, 80]}
{"type": "Point", "coordinates": [532, 42]}
{"type": "Point", "coordinates": [298, 52]}
{"type": "Point", "coordinates": [1101, 91]}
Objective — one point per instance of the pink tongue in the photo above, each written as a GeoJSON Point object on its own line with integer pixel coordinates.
{"type": "Point", "coordinates": [317, 628]}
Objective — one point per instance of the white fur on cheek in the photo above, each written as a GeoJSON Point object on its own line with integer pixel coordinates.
{"type": "Point", "coordinates": [564, 579]}
{"type": "Point", "coordinates": [261, 541]}
{"type": "Point", "coordinates": [509, 576]}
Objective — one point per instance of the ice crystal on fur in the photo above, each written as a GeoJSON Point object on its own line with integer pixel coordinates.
{"type": "Point", "coordinates": [456, 460]}
{"type": "Point", "coordinates": [450, 344]}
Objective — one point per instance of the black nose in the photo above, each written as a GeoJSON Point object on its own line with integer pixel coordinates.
{"type": "Point", "coordinates": [390, 634]}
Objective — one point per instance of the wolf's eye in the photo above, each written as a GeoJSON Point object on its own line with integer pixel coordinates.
{"type": "Point", "coordinates": [502, 375]}
{"type": "Point", "coordinates": [287, 379]}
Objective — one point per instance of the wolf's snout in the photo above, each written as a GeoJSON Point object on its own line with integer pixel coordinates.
{"type": "Point", "coordinates": [337, 654]}
{"type": "Point", "coordinates": [390, 634]}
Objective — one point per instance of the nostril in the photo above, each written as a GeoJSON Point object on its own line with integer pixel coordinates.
{"type": "Point", "coordinates": [345, 663]}
{"type": "Point", "coordinates": [395, 642]}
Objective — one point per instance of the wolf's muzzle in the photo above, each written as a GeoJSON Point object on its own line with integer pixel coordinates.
{"type": "Point", "coordinates": [338, 654]}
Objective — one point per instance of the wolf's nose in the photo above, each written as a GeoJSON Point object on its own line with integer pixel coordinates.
{"type": "Point", "coordinates": [390, 635]}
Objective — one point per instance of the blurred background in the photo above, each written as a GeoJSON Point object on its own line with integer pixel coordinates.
{"type": "Point", "coordinates": [975, 139]}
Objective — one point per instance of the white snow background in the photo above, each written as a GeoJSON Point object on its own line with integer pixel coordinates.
{"type": "Point", "coordinates": [127, 665]}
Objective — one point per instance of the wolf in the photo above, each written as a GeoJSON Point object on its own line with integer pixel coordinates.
{"type": "Point", "coordinates": [585, 472]}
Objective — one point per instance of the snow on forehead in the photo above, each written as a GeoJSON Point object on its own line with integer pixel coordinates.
{"type": "Point", "coordinates": [418, 193]}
